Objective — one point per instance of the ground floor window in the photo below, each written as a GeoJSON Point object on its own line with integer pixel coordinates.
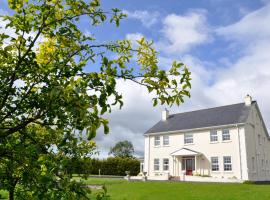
{"type": "Point", "coordinates": [165, 164]}
{"type": "Point", "coordinates": [227, 161]}
{"type": "Point", "coordinates": [156, 164]}
{"type": "Point", "coordinates": [214, 164]}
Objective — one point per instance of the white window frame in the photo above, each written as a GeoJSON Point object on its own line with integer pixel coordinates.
{"type": "Point", "coordinates": [214, 164]}
{"type": "Point", "coordinates": [226, 136]}
{"type": "Point", "coordinates": [259, 139]}
{"type": "Point", "coordinates": [227, 163]}
{"type": "Point", "coordinates": [157, 140]}
{"type": "Point", "coordinates": [188, 138]}
{"type": "Point", "coordinates": [166, 164]}
{"type": "Point", "coordinates": [166, 140]}
{"type": "Point", "coordinates": [253, 164]}
{"type": "Point", "coordinates": [156, 164]}
{"type": "Point", "coordinates": [213, 136]}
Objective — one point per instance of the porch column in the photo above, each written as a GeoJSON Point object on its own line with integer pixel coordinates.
{"type": "Point", "coordinates": [173, 165]}
{"type": "Point", "coordinates": [195, 164]}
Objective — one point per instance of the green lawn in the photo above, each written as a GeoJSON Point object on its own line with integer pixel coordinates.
{"type": "Point", "coordinates": [120, 189]}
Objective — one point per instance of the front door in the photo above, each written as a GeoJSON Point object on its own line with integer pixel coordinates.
{"type": "Point", "coordinates": [190, 164]}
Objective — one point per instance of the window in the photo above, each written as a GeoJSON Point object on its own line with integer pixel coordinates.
{"type": "Point", "coordinates": [166, 140]}
{"type": "Point", "coordinates": [188, 138]}
{"type": "Point", "coordinates": [262, 163]}
{"type": "Point", "coordinates": [165, 164]}
{"type": "Point", "coordinates": [157, 140]}
{"type": "Point", "coordinates": [183, 164]}
{"type": "Point", "coordinates": [214, 164]}
{"type": "Point", "coordinates": [156, 164]}
{"type": "Point", "coordinates": [226, 135]}
{"type": "Point", "coordinates": [213, 136]}
{"type": "Point", "coordinates": [253, 164]}
{"type": "Point", "coordinates": [227, 160]}
{"type": "Point", "coordinates": [259, 139]}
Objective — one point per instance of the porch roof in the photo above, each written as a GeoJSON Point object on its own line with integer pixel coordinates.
{"type": "Point", "coordinates": [185, 152]}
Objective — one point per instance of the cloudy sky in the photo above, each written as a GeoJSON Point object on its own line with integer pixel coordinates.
{"type": "Point", "coordinates": [226, 44]}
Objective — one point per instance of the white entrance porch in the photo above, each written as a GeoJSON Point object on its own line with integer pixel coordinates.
{"type": "Point", "coordinates": [186, 162]}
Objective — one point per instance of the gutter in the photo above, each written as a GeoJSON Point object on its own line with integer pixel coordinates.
{"type": "Point", "coordinates": [193, 129]}
{"type": "Point", "coordinates": [148, 156]}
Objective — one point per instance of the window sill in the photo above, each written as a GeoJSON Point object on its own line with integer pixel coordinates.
{"type": "Point", "coordinates": [187, 144]}
{"type": "Point", "coordinates": [215, 142]}
{"type": "Point", "coordinates": [166, 145]}
{"type": "Point", "coordinates": [228, 172]}
{"type": "Point", "coordinates": [226, 141]}
{"type": "Point", "coordinates": [157, 146]}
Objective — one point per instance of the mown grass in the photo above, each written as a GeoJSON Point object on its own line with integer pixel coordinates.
{"type": "Point", "coordinates": [120, 189]}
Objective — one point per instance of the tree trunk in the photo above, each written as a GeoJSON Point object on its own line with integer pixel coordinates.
{"type": "Point", "coordinates": [11, 194]}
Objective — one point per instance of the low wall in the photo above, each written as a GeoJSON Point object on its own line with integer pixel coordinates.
{"type": "Point", "coordinates": [189, 179]}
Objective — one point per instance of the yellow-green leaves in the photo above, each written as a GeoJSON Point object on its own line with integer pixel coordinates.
{"type": "Point", "coordinates": [16, 4]}
{"type": "Point", "coordinates": [51, 106]}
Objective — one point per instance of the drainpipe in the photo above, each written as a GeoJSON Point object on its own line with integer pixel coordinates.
{"type": "Point", "coordinates": [149, 155]}
{"type": "Point", "coordinates": [239, 145]}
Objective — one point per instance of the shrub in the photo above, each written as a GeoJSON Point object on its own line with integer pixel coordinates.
{"type": "Point", "coordinates": [110, 166]}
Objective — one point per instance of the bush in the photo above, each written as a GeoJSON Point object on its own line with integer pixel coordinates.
{"type": "Point", "coordinates": [110, 166]}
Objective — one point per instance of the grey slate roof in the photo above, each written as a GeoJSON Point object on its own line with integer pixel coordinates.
{"type": "Point", "coordinates": [224, 115]}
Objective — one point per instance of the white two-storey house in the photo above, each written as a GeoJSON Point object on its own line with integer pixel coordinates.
{"type": "Point", "coordinates": [227, 142]}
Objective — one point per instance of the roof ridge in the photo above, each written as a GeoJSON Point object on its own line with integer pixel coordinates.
{"type": "Point", "coordinates": [209, 108]}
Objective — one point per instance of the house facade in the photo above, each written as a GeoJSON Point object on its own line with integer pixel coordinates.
{"type": "Point", "coordinates": [227, 142]}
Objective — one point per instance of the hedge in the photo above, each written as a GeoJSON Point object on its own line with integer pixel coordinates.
{"type": "Point", "coordinates": [110, 166]}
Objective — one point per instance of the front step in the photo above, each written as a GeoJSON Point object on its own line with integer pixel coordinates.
{"type": "Point", "coordinates": [175, 178]}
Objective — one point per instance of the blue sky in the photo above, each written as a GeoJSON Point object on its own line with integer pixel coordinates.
{"type": "Point", "coordinates": [226, 45]}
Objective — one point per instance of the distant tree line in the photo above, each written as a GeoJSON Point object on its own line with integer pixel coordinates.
{"type": "Point", "coordinates": [110, 166]}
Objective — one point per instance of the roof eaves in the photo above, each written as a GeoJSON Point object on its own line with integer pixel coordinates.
{"type": "Point", "coordinates": [194, 129]}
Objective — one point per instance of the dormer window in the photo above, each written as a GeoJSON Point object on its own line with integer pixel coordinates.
{"type": "Point", "coordinates": [226, 135]}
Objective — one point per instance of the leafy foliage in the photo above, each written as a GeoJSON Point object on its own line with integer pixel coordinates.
{"type": "Point", "coordinates": [110, 166]}
{"type": "Point", "coordinates": [51, 105]}
{"type": "Point", "coordinates": [123, 149]}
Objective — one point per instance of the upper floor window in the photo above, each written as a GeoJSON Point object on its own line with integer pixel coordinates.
{"type": "Point", "coordinates": [259, 139]}
{"type": "Point", "coordinates": [157, 141]}
{"type": "Point", "coordinates": [165, 164]}
{"type": "Point", "coordinates": [253, 164]}
{"type": "Point", "coordinates": [214, 163]}
{"type": "Point", "coordinates": [213, 136]}
{"type": "Point", "coordinates": [166, 140]}
{"type": "Point", "coordinates": [227, 161]}
{"type": "Point", "coordinates": [226, 134]}
{"type": "Point", "coordinates": [156, 164]}
{"type": "Point", "coordinates": [188, 138]}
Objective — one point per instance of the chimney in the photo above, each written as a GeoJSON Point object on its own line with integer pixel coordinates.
{"type": "Point", "coordinates": [248, 100]}
{"type": "Point", "coordinates": [165, 114]}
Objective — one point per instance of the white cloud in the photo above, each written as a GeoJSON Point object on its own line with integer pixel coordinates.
{"type": "Point", "coordinates": [253, 26]}
{"type": "Point", "coordinates": [181, 32]}
{"type": "Point", "coordinates": [211, 86]}
{"type": "Point", "coordinates": [147, 18]}
{"type": "Point", "coordinates": [134, 37]}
